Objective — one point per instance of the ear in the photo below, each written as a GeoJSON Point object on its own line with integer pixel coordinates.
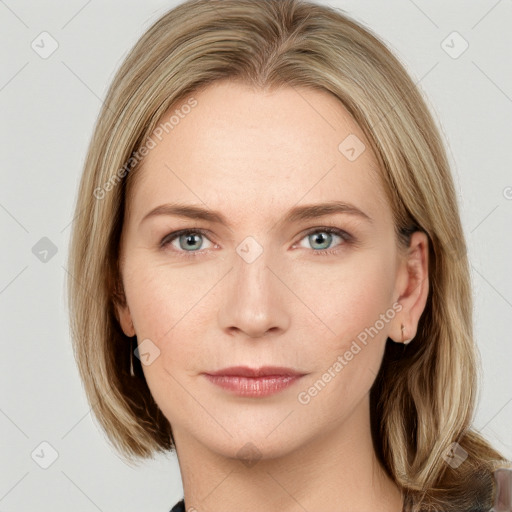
{"type": "Point", "coordinates": [121, 308]}
{"type": "Point", "coordinates": [412, 287]}
{"type": "Point", "coordinates": [125, 319]}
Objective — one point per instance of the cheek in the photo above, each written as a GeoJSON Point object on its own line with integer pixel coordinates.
{"type": "Point", "coordinates": [164, 300]}
{"type": "Point", "coordinates": [171, 308]}
{"type": "Point", "coordinates": [356, 312]}
{"type": "Point", "coordinates": [330, 300]}
{"type": "Point", "coordinates": [343, 300]}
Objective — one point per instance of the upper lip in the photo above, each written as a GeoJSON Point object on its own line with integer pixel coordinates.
{"type": "Point", "coordinates": [246, 371]}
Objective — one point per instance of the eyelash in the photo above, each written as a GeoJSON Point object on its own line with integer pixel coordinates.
{"type": "Point", "coordinates": [347, 239]}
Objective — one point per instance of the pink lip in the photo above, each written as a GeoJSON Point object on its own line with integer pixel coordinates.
{"type": "Point", "coordinates": [264, 371]}
{"type": "Point", "coordinates": [254, 382]}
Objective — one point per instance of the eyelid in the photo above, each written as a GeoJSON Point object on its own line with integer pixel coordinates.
{"type": "Point", "coordinates": [326, 229]}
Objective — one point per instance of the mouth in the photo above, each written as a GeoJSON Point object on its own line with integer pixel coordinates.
{"type": "Point", "coordinates": [254, 382]}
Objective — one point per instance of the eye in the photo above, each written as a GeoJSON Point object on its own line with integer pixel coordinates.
{"type": "Point", "coordinates": [187, 240]}
{"type": "Point", "coordinates": [322, 238]}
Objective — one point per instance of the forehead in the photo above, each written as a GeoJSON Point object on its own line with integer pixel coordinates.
{"type": "Point", "coordinates": [241, 149]}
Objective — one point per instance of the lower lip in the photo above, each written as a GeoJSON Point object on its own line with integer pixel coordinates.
{"type": "Point", "coordinates": [253, 386]}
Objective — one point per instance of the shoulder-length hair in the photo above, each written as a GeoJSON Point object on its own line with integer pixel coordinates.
{"type": "Point", "coordinates": [423, 398]}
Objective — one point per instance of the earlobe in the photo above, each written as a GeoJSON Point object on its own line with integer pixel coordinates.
{"type": "Point", "coordinates": [125, 320]}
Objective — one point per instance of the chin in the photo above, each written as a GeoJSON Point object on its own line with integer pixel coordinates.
{"type": "Point", "coordinates": [250, 450]}
{"type": "Point", "coordinates": [251, 442]}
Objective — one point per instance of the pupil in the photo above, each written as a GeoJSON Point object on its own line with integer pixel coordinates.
{"type": "Point", "coordinates": [190, 240]}
{"type": "Point", "coordinates": [319, 238]}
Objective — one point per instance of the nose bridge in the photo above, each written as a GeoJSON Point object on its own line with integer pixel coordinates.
{"type": "Point", "coordinates": [252, 275]}
{"type": "Point", "coordinates": [252, 303]}
{"type": "Point", "coordinates": [251, 270]}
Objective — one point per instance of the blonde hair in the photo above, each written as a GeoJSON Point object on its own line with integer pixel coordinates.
{"type": "Point", "coordinates": [423, 398]}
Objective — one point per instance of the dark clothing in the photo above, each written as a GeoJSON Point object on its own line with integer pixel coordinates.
{"type": "Point", "coordinates": [179, 507]}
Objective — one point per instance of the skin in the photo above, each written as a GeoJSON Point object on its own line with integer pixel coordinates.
{"type": "Point", "coordinates": [253, 155]}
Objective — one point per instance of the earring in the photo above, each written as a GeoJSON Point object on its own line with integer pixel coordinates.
{"type": "Point", "coordinates": [132, 374]}
{"type": "Point", "coordinates": [133, 347]}
{"type": "Point", "coordinates": [405, 342]}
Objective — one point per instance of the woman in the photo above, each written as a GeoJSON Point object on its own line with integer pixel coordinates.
{"type": "Point", "coordinates": [286, 375]}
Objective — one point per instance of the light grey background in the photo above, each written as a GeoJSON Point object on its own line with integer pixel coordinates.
{"type": "Point", "coordinates": [48, 108]}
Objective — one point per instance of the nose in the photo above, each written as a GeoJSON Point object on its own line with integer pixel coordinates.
{"type": "Point", "coordinates": [254, 299]}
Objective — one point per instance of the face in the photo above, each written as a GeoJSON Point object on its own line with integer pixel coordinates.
{"type": "Point", "coordinates": [313, 294]}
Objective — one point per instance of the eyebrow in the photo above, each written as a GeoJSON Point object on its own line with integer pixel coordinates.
{"type": "Point", "coordinates": [296, 214]}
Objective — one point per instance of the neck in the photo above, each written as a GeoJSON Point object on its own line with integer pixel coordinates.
{"type": "Point", "coordinates": [334, 472]}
